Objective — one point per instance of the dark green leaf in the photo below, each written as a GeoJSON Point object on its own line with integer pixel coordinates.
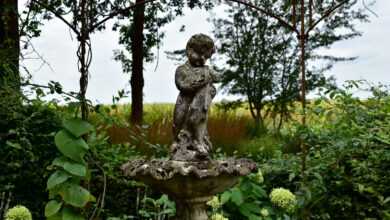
{"type": "Point", "coordinates": [57, 178]}
{"type": "Point", "coordinates": [77, 126]}
{"type": "Point", "coordinates": [52, 207]}
{"type": "Point", "coordinates": [75, 195]}
{"type": "Point", "coordinates": [71, 166]}
{"type": "Point", "coordinates": [72, 147]}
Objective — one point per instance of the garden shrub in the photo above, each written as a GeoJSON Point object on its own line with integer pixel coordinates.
{"type": "Point", "coordinates": [26, 148]}
{"type": "Point", "coordinates": [348, 161]}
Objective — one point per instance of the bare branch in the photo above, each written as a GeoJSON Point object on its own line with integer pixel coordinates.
{"type": "Point", "coordinates": [59, 16]}
{"type": "Point", "coordinates": [327, 13]}
{"type": "Point", "coordinates": [117, 12]}
{"type": "Point", "coordinates": [262, 10]}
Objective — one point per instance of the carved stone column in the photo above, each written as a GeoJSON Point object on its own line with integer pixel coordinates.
{"type": "Point", "coordinates": [192, 209]}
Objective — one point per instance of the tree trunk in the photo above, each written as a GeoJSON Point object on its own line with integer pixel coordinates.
{"type": "Point", "coordinates": [9, 44]}
{"type": "Point", "coordinates": [137, 79]}
{"type": "Point", "coordinates": [83, 63]}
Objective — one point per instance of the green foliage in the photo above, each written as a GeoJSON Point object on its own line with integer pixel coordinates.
{"type": "Point", "coordinates": [249, 200]}
{"type": "Point", "coordinates": [157, 209]}
{"type": "Point", "coordinates": [261, 148]}
{"type": "Point", "coordinates": [348, 158]}
{"type": "Point", "coordinates": [68, 197]}
{"type": "Point", "coordinates": [27, 148]}
{"type": "Point", "coordinates": [261, 61]}
{"type": "Point", "coordinates": [18, 213]}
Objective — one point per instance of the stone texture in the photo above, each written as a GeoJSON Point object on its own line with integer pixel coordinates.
{"type": "Point", "coordinates": [189, 184]}
{"type": "Point", "coordinates": [195, 81]}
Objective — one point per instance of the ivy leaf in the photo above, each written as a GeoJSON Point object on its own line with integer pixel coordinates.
{"type": "Point", "coordinates": [72, 147]}
{"type": "Point", "coordinates": [77, 127]}
{"type": "Point", "coordinates": [52, 207]}
{"type": "Point", "coordinates": [69, 214]}
{"type": "Point", "coordinates": [75, 195]}
{"type": "Point", "coordinates": [71, 166]}
{"type": "Point", "coordinates": [57, 178]}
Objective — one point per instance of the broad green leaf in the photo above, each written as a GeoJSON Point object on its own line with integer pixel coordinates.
{"type": "Point", "coordinates": [56, 178]}
{"type": "Point", "coordinates": [75, 195]}
{"type": "Point", "coordinates": [225, 197]}
{"type": "Point", "coordinates": [70, 214]}
{"type": "Point", "coordinates": [237, 196]}
{"type": "Point", "coordinates": [77, 127]}
{"type": "Point", "coordinates": [52, 207]}
{"type": "Point", "coordinates": [72, 147]}
{"type": "Point", "coordinates": [71, 166]}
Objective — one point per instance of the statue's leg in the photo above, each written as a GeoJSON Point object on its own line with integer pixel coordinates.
{"type": "Point", "coordinates": [180, 113]}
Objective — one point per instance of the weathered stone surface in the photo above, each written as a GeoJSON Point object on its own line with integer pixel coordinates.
{"type": "Point", "coordinates": [167, 169]}
{"type": "Point", "coordinates": [195, 81]}
{"type": "Point", "coordinates": [189, 184]}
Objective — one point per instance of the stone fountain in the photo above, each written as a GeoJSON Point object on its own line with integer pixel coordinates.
{"type": "Point", "coordinates": [190, 177]}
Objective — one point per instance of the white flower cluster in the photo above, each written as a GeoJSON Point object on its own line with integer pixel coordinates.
{"type": "Point", "coordinates": [18, 213]}
{"type": "Point", "coordinates": [264, 212]}
{"type": "Point", "coordinates": [214, 203]}
{"type": "Point", "coordinates": [284, 199]}
{"type": "Point", "coordinates": [218, 217]}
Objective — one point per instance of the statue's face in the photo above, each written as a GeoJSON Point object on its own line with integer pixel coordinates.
{"type": "Point", "coordinates": [199, 56]}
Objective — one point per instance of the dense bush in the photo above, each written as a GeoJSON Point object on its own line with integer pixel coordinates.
{"type": "Point", "coordinates": [348, 161]}
{"type": "Point", "coordinates": [26, 149]}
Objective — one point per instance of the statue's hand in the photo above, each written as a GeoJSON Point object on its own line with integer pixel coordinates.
{"type": "Point", "coordinates": [216, 77]}
{"type": "Point", "coordinates": [201, 81]}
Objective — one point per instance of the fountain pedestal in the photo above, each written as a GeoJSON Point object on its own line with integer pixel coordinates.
{"type": "Point", "coordinates": [189, 184]}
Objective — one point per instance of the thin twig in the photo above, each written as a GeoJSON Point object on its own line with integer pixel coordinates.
{"type": "Point", "coordinates": [262, 10]}
{"type": "Point", "coordinates": [48, 87]}
{"type": "Point", "coordinates": [327, 13]}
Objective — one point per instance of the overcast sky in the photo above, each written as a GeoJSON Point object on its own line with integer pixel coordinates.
{"type": "Point", "coordinates": [57, 47]}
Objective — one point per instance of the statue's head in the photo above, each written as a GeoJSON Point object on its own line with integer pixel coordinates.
{"type": "Point", "coordinates": [199, 48]}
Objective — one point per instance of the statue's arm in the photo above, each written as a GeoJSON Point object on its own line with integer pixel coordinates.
{"type": "Point", "coordinates": [187, 81]}
{"type": "Point", "coordinates": [215, 76]}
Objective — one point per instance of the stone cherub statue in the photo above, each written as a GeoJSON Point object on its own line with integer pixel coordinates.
{"type": "Point", "coordinates": [195, 81]}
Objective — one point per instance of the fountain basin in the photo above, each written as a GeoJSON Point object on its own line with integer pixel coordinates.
{"type": "Point", "coordinates": [189, 184]}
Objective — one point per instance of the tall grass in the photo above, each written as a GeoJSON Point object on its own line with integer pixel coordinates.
{"type": "Point", "coordinates": [229, 130]}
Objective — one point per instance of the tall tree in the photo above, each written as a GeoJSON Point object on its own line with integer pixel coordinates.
{"type": "Point", "coordinates": [254, 48]}
{"type": "Point", "coordinates": [9, 43]}
{"type": "Point", "coordinates": [85, 17]}
{"type": "Point", "coordinates": [141, 36]}
{"type": "Point", "coordinates": [137, 79]}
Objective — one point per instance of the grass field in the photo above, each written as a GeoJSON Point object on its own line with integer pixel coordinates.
{"type": "Point", "coordinates": [231, 131]}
